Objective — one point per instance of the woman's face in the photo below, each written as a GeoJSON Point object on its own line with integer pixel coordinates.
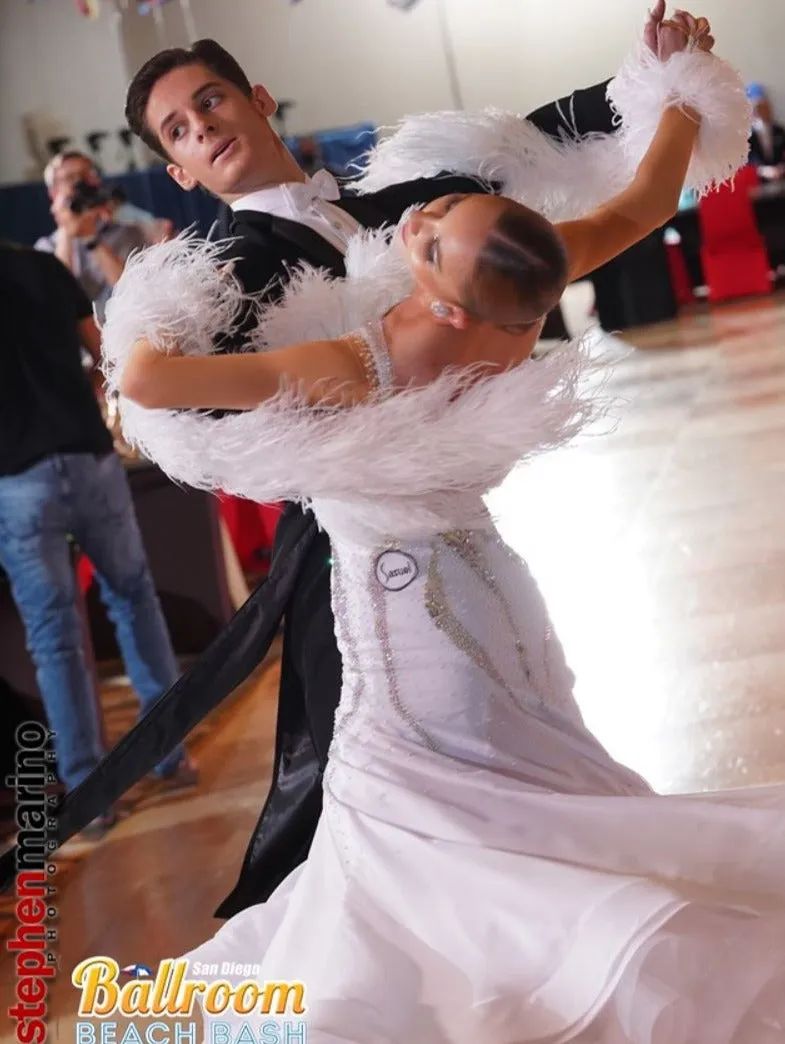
{"type": "Point", "coordinates": [441, 244]}
{"type": "Point", "coordinates": [443, 241]}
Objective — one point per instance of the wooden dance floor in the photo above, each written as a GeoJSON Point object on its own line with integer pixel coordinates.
{"type": "Point", "coordinates": [660, 547]}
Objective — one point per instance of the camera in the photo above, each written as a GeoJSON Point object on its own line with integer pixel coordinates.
{"type": "Point", "coordinates": [87, 197]}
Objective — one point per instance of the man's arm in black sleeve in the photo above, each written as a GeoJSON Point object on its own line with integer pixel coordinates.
{"type": "Point", "coordinates": [587, 111]}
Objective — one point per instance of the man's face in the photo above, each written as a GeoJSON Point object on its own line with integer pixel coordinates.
{"type": "Point", "coordinates": [763, 110]}
{"type": "Point", "coordinates": [69, 174]}
{"type": "Point", "coordinates": [214, 135]}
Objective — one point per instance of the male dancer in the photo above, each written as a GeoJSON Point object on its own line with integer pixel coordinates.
{"type": "Point", "coordinates": [198, 111]}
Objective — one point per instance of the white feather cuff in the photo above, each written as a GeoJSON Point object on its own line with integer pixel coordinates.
{"type": "Point", "coordinates": [645, 85]}
{"type": "Point", "coordinates": [395, 465]}
{"type": "Point", "coordinates": [565, 179]}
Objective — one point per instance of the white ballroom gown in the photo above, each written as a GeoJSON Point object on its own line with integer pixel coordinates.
{"type": "Point", "coordinates": [483, 870]}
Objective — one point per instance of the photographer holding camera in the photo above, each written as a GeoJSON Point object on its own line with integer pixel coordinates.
{"type": "Point", "coordinates": [89, 242]}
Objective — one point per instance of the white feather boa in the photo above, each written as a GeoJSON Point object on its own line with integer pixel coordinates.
{"type": "Point", "coordinates": [566, 179]}
{"type": "Point", "coordinates": [416, 462]}
{"type": "Point", "coordinates": [411, 464]}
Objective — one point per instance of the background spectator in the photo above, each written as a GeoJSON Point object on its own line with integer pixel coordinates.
{"type": "Point", "coordinates": [767, 139]}
{"type": "Point", "coordinates": [125, 213]}
{"type": "Point", "coordinates": [88, 239]}
{"type": "Point", "coordinates": [59, 478]}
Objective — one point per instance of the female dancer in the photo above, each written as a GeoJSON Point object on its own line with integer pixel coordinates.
{"type": "Point", "coordinates": [483, 870]}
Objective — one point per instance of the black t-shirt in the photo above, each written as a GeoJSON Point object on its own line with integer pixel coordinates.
{"type": "Point", "coordinates": [47, 403]}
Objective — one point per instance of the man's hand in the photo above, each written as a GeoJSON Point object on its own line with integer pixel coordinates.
{"type": "Point", "coordinates": [666, 37]}
{"type": "Point", "coordinates": [77, 226]}
{"type": "Point", "coordinates": [653, 23]}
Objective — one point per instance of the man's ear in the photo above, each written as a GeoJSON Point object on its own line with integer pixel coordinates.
{"type": "Point", "coordinates": [185, 181]}
{"type": "Point", "coordinates": [266, 105]}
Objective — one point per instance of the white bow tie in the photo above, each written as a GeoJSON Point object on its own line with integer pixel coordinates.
{"type": "Point", "coordinates": [321, 186]}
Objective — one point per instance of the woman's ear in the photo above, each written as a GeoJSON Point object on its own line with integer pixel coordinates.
{"type": "Point", "coordinates": [450, 315]}
{"type": "Point", "coordinates": [459, 317]}
{"type": "Point", "coordinates": [185, 181]}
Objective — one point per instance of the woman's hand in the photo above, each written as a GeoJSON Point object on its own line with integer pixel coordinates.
{"type": "Point", "coordinates": [685, 32]}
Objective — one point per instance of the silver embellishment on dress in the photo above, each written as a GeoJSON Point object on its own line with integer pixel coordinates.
{"type": "Point", "coordinates": [464, 543]}
{"type": "Point", "coordinates": [445, 619]}
{"type": "Point", "coordinates": [395, 570]}
{"type": "Point", "coordinates": [379, 606]}
{"type": "Point", "coordinates": [348, 706]}
{"type": "Point", "coordinates": [373, 335]}
{"type": "Point", "coordinates": [548, 638]}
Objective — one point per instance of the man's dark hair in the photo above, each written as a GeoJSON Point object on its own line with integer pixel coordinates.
{"type": "Point", "coordinates": [203, 52]}
{"type": "Point", "coordinates": [524, 252]}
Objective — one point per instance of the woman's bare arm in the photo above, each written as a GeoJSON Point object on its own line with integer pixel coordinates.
{"type": "Point", "coordinates": [328, 373]}
{"type": "Point", "coordinates": [643, 206]}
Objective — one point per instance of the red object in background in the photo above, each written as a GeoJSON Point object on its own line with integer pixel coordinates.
{"type": "Point", "coordinates": [252, 529]}
{"type": "Point", "coordinates": [84, 573]}
{"type": "Point", "coordinates": [680, 277]}
{"type": "Point", "coordinates": [735, 261]}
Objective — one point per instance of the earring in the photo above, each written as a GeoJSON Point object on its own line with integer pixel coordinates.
{"type": "Point", "coordinates": [440, 310]}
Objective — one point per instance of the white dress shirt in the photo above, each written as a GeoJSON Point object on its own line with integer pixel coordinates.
{"type": "Point", "coordinates": [766, 137]}
{"type": "Point", "coordinates": [309, 203]}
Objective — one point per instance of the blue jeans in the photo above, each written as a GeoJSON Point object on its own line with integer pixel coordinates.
{"type": "Point", "coordinates": [88, 498]}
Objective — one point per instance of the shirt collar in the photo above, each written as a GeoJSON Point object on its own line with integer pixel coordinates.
{"type": "Point", "coordinates": [291, 196]}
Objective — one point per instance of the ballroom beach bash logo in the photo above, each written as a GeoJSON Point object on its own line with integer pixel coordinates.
{"type": "Point", "coordinates": [238, 1009]}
